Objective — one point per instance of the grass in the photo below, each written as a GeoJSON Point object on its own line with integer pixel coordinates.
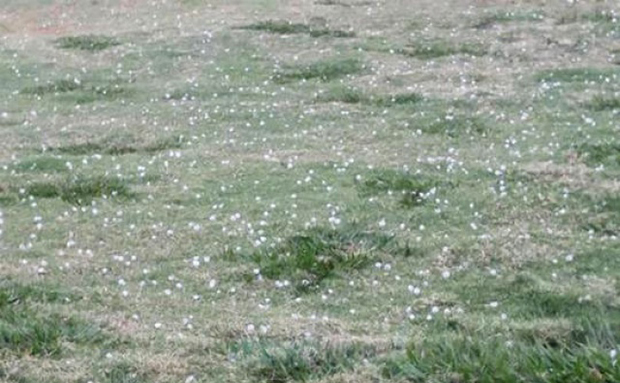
{"type": "Point", "coordinates": [494, 18]}
{"type": "Point", "coordinates": [326, 70]}
{"type": "Point", "coordinates": [577, 75]}
{"type": "Point", "coordinates": [118, 147]}
{"type": "Point", "coordinates": [435, 49]}
{"type": "Point", "coordinates": [310, 258]}
{"type": "Point", "coordinates": [603, 153]}
{"type": "Point", "coordinates": [81, 190]}
{"type": "Point", "coordinates": [600, 103]}
{"type": "Point", "coordinates": [299, 361]}
{"type": "Point", "coordinates": [232, 197]}
{"type": "Point", "coordinates": [288, 28]}
{"type": "Point", "coordinates": [25, 331]}
{"type": "Point", "coordinates": [89, 43]}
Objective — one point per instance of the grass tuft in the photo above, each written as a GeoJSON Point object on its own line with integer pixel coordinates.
{"type": "Point", "coordinates": [435, 49]}
{"type": "Point", "coordinates": [300, 361]}
{"type": "Point", "coordinates": [577, 75]}
{"type": "Point", "coordinates": [319, 254]}
{"type": "Point", "coordinates": [322, 70]}
{"type": "Point", "coordinates": [349, 95]}
{"type": "Point", "coordinates": [288, 28]}
{"type": "Point", "coordinates": [412, 188]}
{"type": "Point", "coordinates": [455, 126]}
{"type": "Point", "coordinates": [600, 103]}
{"type": "Point", "coordinates": [597, 154]}
{"type": "Point", "coordinates": [81, 190]}
{"type": "Point", "coordinates": [58, 86]}
{"type": "Point", "coordinates": [90, 43]}
{"type": "Point", "coordinates": [41, 164]}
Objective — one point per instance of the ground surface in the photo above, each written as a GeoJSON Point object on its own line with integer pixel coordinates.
{"type": "Point", "coordinates": [326, 191]}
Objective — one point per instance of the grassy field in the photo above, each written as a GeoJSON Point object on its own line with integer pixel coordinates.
{"type": "Point", "coordinates": [309, 191]}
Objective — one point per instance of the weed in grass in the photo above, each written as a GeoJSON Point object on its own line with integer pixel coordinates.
{"type": "Point", "coordinates": [322, 70]}
{"type": "Point", "coordinates": [320, 254]}
{"type": "Point", "coordinates": [600, 103]}
{"type": "Point", "coordinates": [91, 43]}
{"type": "Point", "coordinates": [597, 154]}
{"type": "Point", "coordinates": [605, 217]}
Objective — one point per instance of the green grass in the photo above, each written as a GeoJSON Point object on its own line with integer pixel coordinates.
{"type": "Point", "coordinates": [494, 18]}
{"type": "Point", "coordinates": [26, 331]}
{"type": "Point", "coordinates": [300, 361]}
{"type": "Point", "coordinates": [326, 70]}
{"type": "Point", "coordinates": [577, 75]}
{"type": "Point", "coordinates": [603, 153]}
{"type": "Point", "coordinates": [231, 197]}
{"type": "Point", "coordinates": [43, 164]}
{"type": "Point", "coordinates": [435, 49]}
{"type": "Point", "coordinates": [119, 146]}
{"type": "Point", "coordinates": [81, 190]}
{"type": "Point", "coordinates": [90, 43]}
{"type": "Point", "coordinates": [288, 28]}
{"type": "Point", "coordinates": [600, 103]}
{"type": "Point", "coordinates": [319, 254]}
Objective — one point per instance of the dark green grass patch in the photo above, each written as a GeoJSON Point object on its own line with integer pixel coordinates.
{"type": "Point", "coordinates": [58, 86]}
{"type": "Point", "coordinates": [300, 361]}
{"type": "Point", "coordinates": [326, 70]}
{"type": "Point", "coordinates": [81, 190]}
{"type": "Point", "coordinates": [475, 358]}
{"type": "Point", "coordinates": [44, 164]}
{"type": "Point", "coordinates": [412, 188]}
{"type": "Point", "coordinates": [288, 28]}
{"type": "Point", "coordinates": [577, 75]}
{"type": "Point", "coordinates": [123, 372]}
{"type": "Point", "coordinates": [24, 331]}
{"type": "Point", "coordinates": [491, 19]}
{"type": "Point", "coordinates": [321, 253]}
{"type": "Point", "coordinates": [600, 103]}
{"type": "Point", "coordinates": [349, 95]}
{"type": "Point", "coordinates": [607, 153]}
{"type": "Point", "coordinates": [90, 43]}
{"type": "Point", "coordinates": [603, 215]}
{"type": "Point", "coordinates": [455, 126]}
{"type": "Point", "coordinates": [15, 292]}
{"type": "Point", "coordinates": [117, 147]}
{"type": "Point", "coordinates": [435, 49]}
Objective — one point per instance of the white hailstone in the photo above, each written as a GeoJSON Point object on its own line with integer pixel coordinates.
{"type": "Point", "coordinates": [493, 304]}
{"type": "Point", "coordinates": [414, 290]}
{"type": "Point", "coordinates": [125, 293]}
{"type": "Point", "coordinates": [435, 309]}
{"type": "Point", "coordinates": [378, 265]}
{"type": "Point", "coordinates": [212, 283]}
{"type": "Point", "coordinates": [352, 311]}
{"type": "Point", "coordinates": [382, 222]}
{"type": "Point", "coordinates": [503, 316]}
{"type": "Point", "coordinates": [445, 274]}
{"type": "Point", "coordinates": [167, 292]}
{"type": "Point", "coordinates": [569, 258]}
{"type": "Point", "coordinates": [613, 354]}
{"type": "Point", "coordinates": [387, 267]}
{"type": "Point", "coordinates": [190, 379]}
{"type": "Point", "coordinates": [157, 325]}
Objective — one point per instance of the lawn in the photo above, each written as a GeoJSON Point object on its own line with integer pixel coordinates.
{"type": "Point", "coordinates": [328, 191]}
